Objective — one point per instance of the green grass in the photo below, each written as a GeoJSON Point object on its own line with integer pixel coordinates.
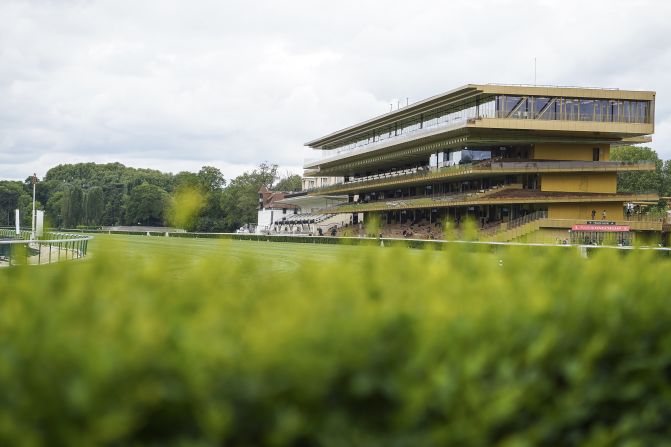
{"type": "Point", "coordinates": [185, 252]}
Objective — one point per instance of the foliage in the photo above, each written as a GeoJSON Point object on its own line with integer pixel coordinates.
{"type": "Point", "coordinates": [94, 206]}
{"type": "Point", "coordinates": [639, 182]}
{"type": "Point", "coordinates": [211, 179]}
{"type": "Point", "coordinates": [239, 201]}
{"type": "Point", "coordinates": [146, 205]}
{"type": "Point", "coordinates": [235, 354]}
{"type": "Point", "coordinates": [289, 183]}
{"type": "Point", "coordinates": [72, 205]}
{"type": "Point", "coordinates": [186, 205]}
{"type": "Point", "coordinates": [93, 194]}
{"type": "Point", "coordinates": [114, 179]}
{"type": "Point", "coordinates": [13, 195]}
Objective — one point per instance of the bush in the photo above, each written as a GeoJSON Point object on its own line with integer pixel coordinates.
{"type": "Point", "coordinates": [400, 348]}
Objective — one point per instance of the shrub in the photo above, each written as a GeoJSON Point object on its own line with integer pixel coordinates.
{"type": "Point", "coordinates": [396, 348]}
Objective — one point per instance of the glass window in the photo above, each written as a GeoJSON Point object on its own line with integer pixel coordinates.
{"type": "Point", "coordinates": [625, 111]}
{"type": "Point", "coordinates": [586, 110]}
{"type": "Point", "coordinates": [601, 110]}
{"type": "Point", "coordinates": [511, 102]}
{"type": "Point", "coordinates": [538, 104]}
{"type": "Point", "coordinates": [477, 155]}
{"type": "Point", "coordinates": [571, 109]}
{"type": "Point", "coordinates": [643, 115]}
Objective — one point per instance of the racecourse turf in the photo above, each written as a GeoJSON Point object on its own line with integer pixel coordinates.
{"type": "Point", "coordinates": [184, 252]}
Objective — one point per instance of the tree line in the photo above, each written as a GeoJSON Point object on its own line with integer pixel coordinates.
{"type": "Point", "coordinates": [93, 195]}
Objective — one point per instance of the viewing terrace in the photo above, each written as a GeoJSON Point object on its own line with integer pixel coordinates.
{"type": "Point", "coordinates": [417, 176]}
{"type": "Point", "coordinates": [612, 115]}
{"type": "Point", "coordinates": [507, 194]}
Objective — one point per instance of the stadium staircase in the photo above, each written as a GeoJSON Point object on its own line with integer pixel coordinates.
{"type": "Point", "coordinates": [509, 231]}
{"type": "Point", "coordinates": [332, 220]}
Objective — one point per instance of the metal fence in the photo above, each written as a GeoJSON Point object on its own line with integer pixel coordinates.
{"type": "Point", "coordinates": [20, 249]}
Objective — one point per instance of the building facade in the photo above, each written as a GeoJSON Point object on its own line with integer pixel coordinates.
{"type": "Point", "coordinates": [319, 182]}
{"type": "Point", "coordinates": [504, 156]}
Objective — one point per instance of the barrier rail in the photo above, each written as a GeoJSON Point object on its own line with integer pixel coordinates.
{"type": "Point", "coordinates": [483, 166]}
{"type": "Point", "coordinates": [20, 249]}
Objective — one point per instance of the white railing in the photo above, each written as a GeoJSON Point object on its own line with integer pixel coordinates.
{"type": "Point", "coordinates": [20, 249]}
{"type": "Point", "coordinates": [551, 86]}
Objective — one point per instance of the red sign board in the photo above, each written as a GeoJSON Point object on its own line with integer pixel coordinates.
{"type": "Point", "coordinates": [614, 228]}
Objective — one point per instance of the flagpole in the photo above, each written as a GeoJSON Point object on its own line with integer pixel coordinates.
{"type": "Point", "coordinates": [32, 224]}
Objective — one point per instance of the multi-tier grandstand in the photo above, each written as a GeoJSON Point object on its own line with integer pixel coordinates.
{"type": "Point", "coordinates": [515, 159]}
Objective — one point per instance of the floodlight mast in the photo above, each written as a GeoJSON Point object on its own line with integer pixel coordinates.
{"type": "Point", "coordinates": [32, 224]}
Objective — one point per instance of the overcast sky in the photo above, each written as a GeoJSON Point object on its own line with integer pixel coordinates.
{"type": "Point", "coordinates": [178, 84]}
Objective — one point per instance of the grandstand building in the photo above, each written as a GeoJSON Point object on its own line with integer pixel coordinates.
{"type": "Point", "coordinates": [515, 159]}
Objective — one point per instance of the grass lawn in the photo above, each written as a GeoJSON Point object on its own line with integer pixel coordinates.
{"type": "Point", "coordinates": [184, 252]}
{"type": "Point", "coordinates": [279, 256]}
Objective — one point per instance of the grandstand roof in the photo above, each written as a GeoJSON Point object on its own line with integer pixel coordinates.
{"type": "Point", "coordinates": [470, 91]}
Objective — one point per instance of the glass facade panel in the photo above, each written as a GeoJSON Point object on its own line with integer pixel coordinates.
{"type": "Point", "coordinates": [510, 103]}
{"type": "Point", "coordinates": [506, 106]}
{"type": "Point", "coordinates": [572, 109]}
{"type": "Point", "coordinates": [586, 110]}
{"type": "Point", "coordinates": [644, 112]}
{"type": "Point", "coordinates": [538, 104]}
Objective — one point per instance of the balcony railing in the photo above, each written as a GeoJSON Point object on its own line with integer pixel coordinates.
{"type": "Point", "coordinates": [408, 175]}
{"type": "Point", "coordinates": [470, 116]}
{"type": "Point", "coordinates": [418, 201]}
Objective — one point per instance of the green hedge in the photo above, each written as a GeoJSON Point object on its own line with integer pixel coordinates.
{"type": "Point", "coordinates": [393, 348]}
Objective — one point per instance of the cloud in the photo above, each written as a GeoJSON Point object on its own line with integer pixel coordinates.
{"type": "Point", "coordinates": [177, 84]}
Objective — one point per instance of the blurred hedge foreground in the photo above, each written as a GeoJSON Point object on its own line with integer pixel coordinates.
{"type": "Point", "coordinates": [402, 348]}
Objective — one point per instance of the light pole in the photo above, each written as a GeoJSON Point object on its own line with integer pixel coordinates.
{"type": "Point", "coordinates": [32, 224]}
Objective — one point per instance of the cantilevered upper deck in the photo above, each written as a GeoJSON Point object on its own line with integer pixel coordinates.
{"type": "Point", "coordinates": [490, 114]}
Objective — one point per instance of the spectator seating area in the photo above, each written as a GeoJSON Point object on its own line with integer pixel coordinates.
{"type": "Point", "coordinates": [303, 218]}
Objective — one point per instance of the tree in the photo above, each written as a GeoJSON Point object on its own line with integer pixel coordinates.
{"type": "Point", "coordinates": [211, 179]}
{"type": "Point", "coordinates": [115, 201]}
{"type": "Point", "coordinates": [54, 208]}
{"type": "Point", "coordinates": [666, 178]}
{"type": "Point", "coordinates": [115, 179]}
{"type": "Point", "coordinates": [289, 183]}
{"type": "Point", "coordinates": [640, 181]}
{"type": "Point", "coordinates": [10, 192]}
{"type": "Point", "coordinates": [239, 201]}
{"type": "Point", "coordinates": [72, 205]}
{"type": "Point", "coordinates": [186, 180]}
{"type": "Point", "coordinates": [147, 205]}
{"type": "Point", "coordinates": [94, 206]}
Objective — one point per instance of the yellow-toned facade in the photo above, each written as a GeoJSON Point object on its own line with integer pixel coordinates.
{"type": "Point", "coordinates": [492, 153]}
{"type": "Point", "coordinates": [581, 152]}
{"type": "Point", "coordinates": [580, 182]}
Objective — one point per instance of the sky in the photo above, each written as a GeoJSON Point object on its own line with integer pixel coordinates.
{"type": "Point", "coordinates": [179, 84]}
